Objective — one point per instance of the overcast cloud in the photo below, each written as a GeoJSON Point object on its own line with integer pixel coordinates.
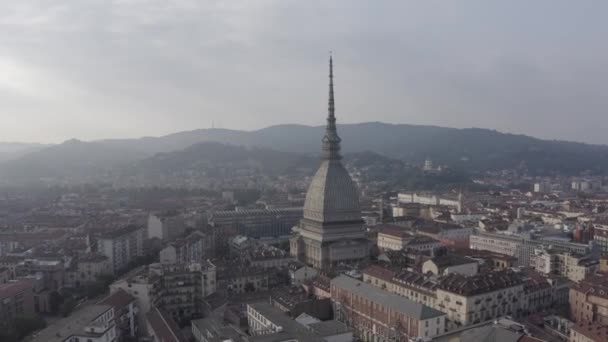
{"type": "Point", "coordinates": [92, 69]}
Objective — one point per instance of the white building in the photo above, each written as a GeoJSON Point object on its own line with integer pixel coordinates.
{"type": "Point", "coordinates": [575, 268]}
{"type": "Point", "coordinates": [431, 199]}
{"type": "Point", "coordinates": [122, 246]}
{"type": "Point", "coordinates": [542, 187]}
{"type": "Point", "coordinates": [141, 286]}
{"type": "Point", "coordinates": [264, 319]}
{"type": "Point", "coordinates": [299, 273]}
{"type": "Point", "coordinates": [522, 247]}
{"type": "Point", "coordinates": [166, 226]}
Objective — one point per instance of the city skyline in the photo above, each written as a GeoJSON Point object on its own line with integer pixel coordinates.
{"type": "Point", "coordinates": [166, 69]}
{"type": "Point", "coordinates": [309, 171]}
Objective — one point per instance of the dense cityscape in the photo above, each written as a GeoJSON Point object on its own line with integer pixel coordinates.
{"type": "Point", "coordinates": [346, 253]}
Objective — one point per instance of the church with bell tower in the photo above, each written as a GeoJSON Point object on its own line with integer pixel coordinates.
{"type": "Point", "coordinates": [332, 230]}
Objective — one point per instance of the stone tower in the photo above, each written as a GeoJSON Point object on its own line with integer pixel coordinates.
{"type": "Point", "coordinates": [331, 231]}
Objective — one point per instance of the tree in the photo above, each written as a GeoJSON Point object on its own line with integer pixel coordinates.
{"type": "Point", "coordinates": [67, 306]}
{"type": "Point", "coordinates": [17, 329]}
{"type": "Point", "coordinates": [25, 325]}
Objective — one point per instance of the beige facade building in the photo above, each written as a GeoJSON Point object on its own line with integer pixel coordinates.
{"type": "Point", "coordinates": [392, 238]}
{"type": "Point", "coordinates": [589, 332]}
{"type": "Point", "coordinates": [411, 285]}
{"type": "Point", "coordinates": [574, 267]}
{"type": "Point", "coordinates": [486, 296]}
{"type": "Point", "coordinates": [589, 301]}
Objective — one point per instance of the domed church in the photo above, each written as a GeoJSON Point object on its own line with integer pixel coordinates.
{"type": "Point", "coordinates": [332, 230]}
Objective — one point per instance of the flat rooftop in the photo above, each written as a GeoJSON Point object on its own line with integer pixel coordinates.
{"type": "Point", "coordinates": [71, 325]}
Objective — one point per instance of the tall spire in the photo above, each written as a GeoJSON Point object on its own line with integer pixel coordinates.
{"type": "Point", "coordinates": [331, 140]}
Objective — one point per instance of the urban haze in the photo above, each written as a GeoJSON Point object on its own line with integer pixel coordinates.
{"type": "Point", "coordinates": [295, 171]}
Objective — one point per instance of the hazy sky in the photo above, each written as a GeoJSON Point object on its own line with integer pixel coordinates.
{"type": "Point", "coordinates": [94, 69]}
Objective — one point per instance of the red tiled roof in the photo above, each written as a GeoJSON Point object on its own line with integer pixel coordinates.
{"type": "Point", "coordinates": [11, 289]}
{"type": "Point", "coordinates": [379, 272]}
{"type": "Point", "coordinates": [164, 326]}
{"type": "Point", "coordinates": [117, 299]}
{"type": "Point", "coordinates": [393, 230]}
{"type": "Point", "coordinates": [479, 283]}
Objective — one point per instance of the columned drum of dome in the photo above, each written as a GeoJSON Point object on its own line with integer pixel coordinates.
{"type": "Point", "coordinates": [331, 231]}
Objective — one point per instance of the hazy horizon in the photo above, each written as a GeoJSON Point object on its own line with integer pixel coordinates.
{"type": "Point", "coordinates": [280, 124]}
{"type": "Point", "coordinates": [94, 70]}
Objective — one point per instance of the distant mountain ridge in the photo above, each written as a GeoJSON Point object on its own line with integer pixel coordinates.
{"type": "Point", "coordinates": [11, 150]}
{"type": "Point", "coordinates": [471, 149]}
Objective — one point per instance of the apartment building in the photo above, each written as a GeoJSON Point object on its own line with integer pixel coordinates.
{"type": "Point", "coordinates": [143, 285]}
{"type": "Point", "coordinates": [166, 226]}
{"type": "Point", "coordinates": [125, 314]}
{"type": "Point", "coordinates": [574, 267]}
{"type": "Point", "coordinates": [412, 285]}
{"type": "Point", "coordinates": [600, 236]}
{"type": "Point", "coordinates": [122, 246]}
{"type": "Point", "coordinates": [257, 223]}
{"type": "Point", "coordinates": [391, 237]}
{"type": "Point", "coordinates": [88, 269]}
{"type": "Point", "coordinates": [239, 278]}
{"type": "Point", "coordinates": [16, 299]}
{"type": "Point", "coordinates": [475, 299]}
{"type": "Point", "coordinates": [589, 300]}
{"type": "Point", "coordinates": [51, 270]}
{"type": "Point", "coordinates": [184, 287]}
{"type": "Point", "coordinates": [265, 256]}
{"type": "Point", "coordinates": [523, 246]}
{"type": "Point", "coordinates": [540, 294]}
{"type": "Point", "coordinates": [588, 332]}
{"type": "Point", "coordinates": [196, 247]}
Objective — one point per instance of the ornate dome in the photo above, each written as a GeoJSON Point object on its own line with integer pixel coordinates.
{"type": "Point", "coordinates": [332, 195]}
